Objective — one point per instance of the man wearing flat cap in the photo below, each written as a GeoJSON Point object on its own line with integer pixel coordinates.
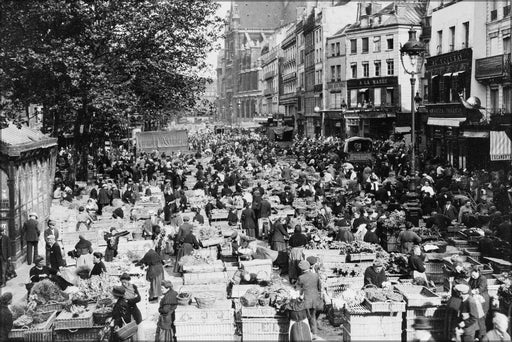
{"type": "Point", "coordinates": [30, 233]}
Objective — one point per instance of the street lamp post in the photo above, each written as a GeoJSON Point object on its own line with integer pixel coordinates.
{"type": "Point", "coordinates": [414, 50]}
{"type": "Point", "coordinates": [317, 110]}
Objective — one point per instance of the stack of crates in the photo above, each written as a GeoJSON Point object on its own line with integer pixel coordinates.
{"type": "Point", "coordinates": [264, 323]}
{"type": "Point", "coordinates": [216, 323]}
{"type": "Point", "coordinates": [360, 324]}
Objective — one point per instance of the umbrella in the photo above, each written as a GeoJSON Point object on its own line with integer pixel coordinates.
{"type": "Point", "coordinates": [348, 166]}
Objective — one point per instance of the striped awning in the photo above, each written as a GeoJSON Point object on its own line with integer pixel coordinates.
{"type": "Point", "coordinates": [500, 146]}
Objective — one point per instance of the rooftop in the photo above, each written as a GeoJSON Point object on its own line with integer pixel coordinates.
{"type": "Point", "coordinates": [16, 139]}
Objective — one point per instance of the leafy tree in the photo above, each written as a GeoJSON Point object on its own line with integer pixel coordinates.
{"type": "Point", "coordinates": [94, 63]}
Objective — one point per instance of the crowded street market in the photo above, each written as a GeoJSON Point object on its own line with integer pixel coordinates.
{"type": "Point", "coordinates": [245, 238]}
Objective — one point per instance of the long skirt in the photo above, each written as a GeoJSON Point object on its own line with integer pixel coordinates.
{"type": "Point", "coordinates": [185, 249]}
{"type": "Point", "coordinates": [110, 254]}
{"type": "Point", "coordinates": [296, 256]}
{"type": "Point", "coordinates": [155, 287]}
{"type": "Point", "coordinates": [163, 335]}
{"type": "Point", "coordinates": [279, 246]}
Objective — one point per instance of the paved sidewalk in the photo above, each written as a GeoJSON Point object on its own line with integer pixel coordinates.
{"type": "Point", "coordinates": [17, 285]}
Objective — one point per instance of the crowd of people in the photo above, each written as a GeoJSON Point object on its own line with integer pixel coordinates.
{"type": "Point", "coordinates": [354, 200]}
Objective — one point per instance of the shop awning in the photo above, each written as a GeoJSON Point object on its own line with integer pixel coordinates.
{"type": "Point", "coordinates": [405, 129]}
{"type": "Point", "coordinates": [457, 73]}
{"type": "Point", "coordinates": [280, 130]}
{"type": "Point", "coordinates": [474, 134]}
{"type": "Point", "coordinates": [363, 90]}
{"type": "Point", "coordinates": [500, 146]}
{"type": "Point", "coordinates": [447, 74]}
{"type": "Point", "coordinates": [448, 122]}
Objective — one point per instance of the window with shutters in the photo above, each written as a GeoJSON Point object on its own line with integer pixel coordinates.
{"type": "Point", "coordinates": [353, 68]}
{"type": "Point", "coordinates": [353, 46]}
{"type": "Point", "coordinates": [376, 44]}
{"type": "Point", "coordinates": [377, 68]}
{"type": "Point", "coordinates": [366, 69]}
{"type": "Point", "coordinates": [391, 67]}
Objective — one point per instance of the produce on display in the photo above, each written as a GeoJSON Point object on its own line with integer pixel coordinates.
{"type": "Point", "coordinates": [396, 263]}
{"type": "Point", "coordinates": [29, 319]}
{"type": "Point", "coordinates": [375, 294]}
{"type": "Point", "coordinates": [94, 288]}
{"type": "Point", "coordinates": [349, 297]}
{"type": "Point", "coordinates": [394, 222]}
{"type": "Point", "coordinates": [46, 292]}
{"type": "Point", "coordinates": [196, 259]}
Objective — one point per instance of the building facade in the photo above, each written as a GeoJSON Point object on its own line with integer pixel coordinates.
{"type": "Point", "coordinates": [377, 85]}
{"type": "Point", "coordinates": [494, 72]}
{"type": "Point", "coordinates": [288, 68]}
{"type": "Point", "coordinates": [248, 25]}
{"type": "Point", "coordinates": [455, 133]}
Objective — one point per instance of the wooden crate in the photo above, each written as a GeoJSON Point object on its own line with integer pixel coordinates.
{"type": "Point", "coordinates": [41, 332]}
{"type": "Point", "coordinates": [238, 291]}
{"type": "Point", "coordinates": [418, 296]}
{"type": "Point", "coordinates": [219, 291]}
{"type": "Point", "coordinates": [389, 306]}
{"type": "Point", "coordinates": [205, 278]}
{"type": "Point", "coordinates": [357, 257]}
{"type": "Point", "coordinates": [207, 329]}
{"type": "Point", "coordinates": [326, 256]}
{"type": "Point", "coordinates": [261, 312]}
{"type": "Point", "coordinates": [65, 320]}
{"type": "Point", "coordinates": [265, 326]}
{"type": "Point", "coordinates": [216, 266]}
{"type": "Point", "coordinates": [257, 266]}
{"type": "Point", "coordinates": [220, 311]}
{"type": "Point", "coordinates": [93, 334]}
{"type": "Point", "coordinates": [435, 315]}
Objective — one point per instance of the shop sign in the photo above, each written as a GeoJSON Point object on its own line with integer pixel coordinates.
{"type": "Point", "coordinates": [446, 110]}
{"type": "Point", "coordinates": [372, 82]}
{"type": "Point", "coordinates": [449, 58]}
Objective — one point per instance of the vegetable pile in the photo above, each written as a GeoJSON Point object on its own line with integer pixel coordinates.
{"type": "Point", "coordinates": [349, 297]}
{"type": "Point", "coordinates": [394, 222]}
{"type": "Point", "coordinates": [381, 295]}
{"type": "Point", "coordinates": [396, 263]}
{"type": "Point", "coordinates": [95, 288]}
{"type": "Point", "coordinates": [196, 259]}
{"type": "Point", "coordinates": [46, 292]}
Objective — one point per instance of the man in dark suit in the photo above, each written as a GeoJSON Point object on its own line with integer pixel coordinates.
{"type": "Point", "coordinates": [55, 260]}
{"type": "Point", "coordinates": [103, 198]}
{"type": "Point", "coordinates": [51, 230]}
{"type": "Point", "coordinates": [5, 255]}
{"type": "Point", "coordinates": [30, 233]}
{"type": "Point", "coordinates": [450, 211]}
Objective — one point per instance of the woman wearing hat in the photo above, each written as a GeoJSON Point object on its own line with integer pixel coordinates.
{"type": "Point", "coordinates": [6, 318]}
{"type": "Point", "coordinates": [165, 327]}
{"type": "Point", "coordinates": [112, 240]}
{"type": "Point", "coordinates": [132, 296]}
{"type": "Point", "coordinates": [297, 242]}
{"type": "Point", "coordinates": [120, 312]}
{"type": "Point", "coordinates": [187, 242]}
{"type": "Point", "coordinates": [155, 271]}
{"type": "Point", "coordinates": [309, 285]}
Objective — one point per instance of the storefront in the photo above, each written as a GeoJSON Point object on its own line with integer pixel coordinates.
{"type": "Point", "coordinates": [333, 121]}
{"type": "Point", "coordinates": [27, 171]}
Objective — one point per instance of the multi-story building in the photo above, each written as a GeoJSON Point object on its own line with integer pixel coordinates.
{"type": "Point", "coordinates": [288, 68]}
{"type": "Point", "coordinates": [299, 117]}
{"type": "Point", "coordinates": [454, 132]}
{"type": "Point", "coordinates": [323, 21]}
{"type": "Point", "coordinates": [336, 99]}
{"type": "Point", "coordinates": [378, 87]}
{"type": "Point", "coordinates": [271, 54]}
{"type": "Point", "coordinates": [248, 24]}
{"type": "Point", "coordinates": [494, 73]}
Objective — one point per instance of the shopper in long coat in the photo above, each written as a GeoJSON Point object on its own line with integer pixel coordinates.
{"type": "Point", "coordinates": [155, 271]}
{"type": "Point", "coordinates": [165, 329]}
{"type": "Point", "coordinates": [279, 235]}
{"type": "Point", "coordinates": [309, 285]}
{"type": "Point", "coordinates": [249, 221]}
{"type": "Point", "coordinates": [30, 233]}
{"type": "Point", "coordinates": [6, 318]}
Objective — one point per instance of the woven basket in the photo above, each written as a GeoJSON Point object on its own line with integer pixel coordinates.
{"type": "Point", "coordinates": [184, 298]}
{"type": "Point", "coordinates": [99, 318]}
{"type": "Point", "coordinates": [205, 302]}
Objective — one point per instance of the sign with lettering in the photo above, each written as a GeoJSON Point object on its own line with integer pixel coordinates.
{"type": "Point", "coordinates": [450, 62]}
{"type": "Point", "coordinates": [491, 66]}
{"type": "Point", "coordinates": [372, 82]}
{"type": "Point", "coordinates": [452, 110]}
